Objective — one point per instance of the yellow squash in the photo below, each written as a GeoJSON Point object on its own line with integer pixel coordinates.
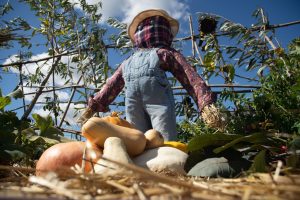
{"type": "Point", "coordinates": [178, 145]}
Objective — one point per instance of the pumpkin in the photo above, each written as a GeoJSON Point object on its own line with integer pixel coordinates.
{"type": "Point", "coordinates": [114, 118]}
{"type": "Point", "coordinates": [154, 139]}
{"type": "Point", "coordinates": [177, 145]}
{"type": "Point", "coordinates": [97, 130]}
{"type": "Point", "coordinates": [62, 156]}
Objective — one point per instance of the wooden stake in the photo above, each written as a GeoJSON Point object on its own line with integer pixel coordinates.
{"type": "Point", "coordinates": [192, 35]}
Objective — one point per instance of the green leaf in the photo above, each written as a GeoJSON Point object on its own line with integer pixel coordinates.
{"type": "Point", "coordinates": [53, 131]}
{"type": "Point", "coordinates": [260, 71]}
{"type": "Point", "coordinates": [16, 94]}
{"type": "Point", "coordinates": [205, 140]}
{"type": "Point", "coordinates": [43, 123]}
{"type": "Point", "coordinates": [43, 140]}
{"type": "Point", "coordinates": [259, 163]}
{"type": "Point", "coordinates": [231, 72]}
{"type": "Point", "coordinates": [16, 154]}
{"type": "Point", "coordinates": [297, 126]}
{"type": "Point", "coordinates": [4, 101]}
{"type": "Point", "coordinates": [295, 144]}
{"type": "Point", "coordinates": [209, 61]}
{"type": "Point", "coordinates": [4, 9]}
{"type": "Point", "coordinates": [28, 132]}
{"type": "Point", "coordinates": [253, 138]}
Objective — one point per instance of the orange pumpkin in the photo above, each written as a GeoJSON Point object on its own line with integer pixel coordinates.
{"type": "Point", "coordinates": [62, 156]}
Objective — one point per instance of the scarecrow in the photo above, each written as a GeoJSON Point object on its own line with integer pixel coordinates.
{"type": "Point", "coordinates": [149, 102]}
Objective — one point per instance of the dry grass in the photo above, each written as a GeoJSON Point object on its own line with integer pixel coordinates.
{"type": "Point", "coordinates": [132, 182]}
{"type": "Point", "coordinates": [213, 117]}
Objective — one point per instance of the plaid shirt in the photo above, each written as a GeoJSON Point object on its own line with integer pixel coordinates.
{"type": "Point", "coordinates": [150, 35]}
{"type": "Point", "coordinates": [153, 32]}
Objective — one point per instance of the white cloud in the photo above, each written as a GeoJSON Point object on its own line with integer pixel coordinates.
{"type": "Point", "coordinates": [62, 95]}
{"type": "Point", "coordinates": [127, 9]}
{"type": "Point", "coordinates": [30, 69]}
{"type": "Point", "coordinates": [69, 117]}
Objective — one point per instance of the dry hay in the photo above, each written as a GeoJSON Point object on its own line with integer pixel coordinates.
{"type": "Point", "coordinates": [214, 117]}
{"type": "Point", "coordinates": [132, 182]}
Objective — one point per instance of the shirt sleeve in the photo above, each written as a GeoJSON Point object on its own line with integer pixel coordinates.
{"type": "Point", "coordinates": [108, 93]}
{"type": "Point", "coordinates": [173, 61]}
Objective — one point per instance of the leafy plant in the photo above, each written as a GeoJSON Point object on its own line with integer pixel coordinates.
{"type": "Point", "coordinates": [264, 126]}
{"type": "Point", "coordinates": [21, 143]}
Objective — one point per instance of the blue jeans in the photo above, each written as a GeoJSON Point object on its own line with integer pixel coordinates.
{"type": "Point", "coordinates": [149, 101]}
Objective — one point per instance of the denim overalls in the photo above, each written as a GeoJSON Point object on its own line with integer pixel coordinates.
{"type": "Point", "coordinates": [148, 96]}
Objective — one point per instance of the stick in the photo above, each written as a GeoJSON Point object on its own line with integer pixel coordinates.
{"type": "Point", "coordinates": [39, 92]}
{"type": "Point", "coordinates": [192, 35]}
{"type": "Point", "coordinates": [69, 102]}
{"type": "Point", "coordinates": [139, 192]}
{"type": "Point", "coordinates": [120, 186]}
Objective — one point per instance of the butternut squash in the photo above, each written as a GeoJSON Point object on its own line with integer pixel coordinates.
{"type": "Point", "coordinates": [114, 118]}
{"type": "Point", "coordinates": [154, 139]}
{"type": "Point", "coordinates": [178, 145]}
{"type": "Point", "coordinates": [62, 156]}
{"type": "Point", "coordinates": [97, 130]}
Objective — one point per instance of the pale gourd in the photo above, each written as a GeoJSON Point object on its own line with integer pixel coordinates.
{"type": "Point", "coordinates": [97, 130]}
{"type": "Point", "coordinates": [154, 139]}
{"type": "Point", "coordinates": [114, 149]}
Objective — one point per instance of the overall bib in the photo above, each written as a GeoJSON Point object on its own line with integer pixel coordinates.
{"type": "Point", "coordinates": [149, 101]}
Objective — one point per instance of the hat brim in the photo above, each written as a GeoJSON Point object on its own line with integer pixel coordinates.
{"type": "Point", "coordinates": [174, 24]}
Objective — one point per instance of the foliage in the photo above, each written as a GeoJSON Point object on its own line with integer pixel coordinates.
{"type": "Point", "coordinates": [21, 142]}
{"type": "Point", "coordinates": [264, 126]}
{"type": "Point", "coordinates": [121, 40]}
{"type": "Point", "coordinates": [62, 29]}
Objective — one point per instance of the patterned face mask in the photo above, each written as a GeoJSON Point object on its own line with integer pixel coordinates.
{"type": "Point", "coordinates": [153, 32]}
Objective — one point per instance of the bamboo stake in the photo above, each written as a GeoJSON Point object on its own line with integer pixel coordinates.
{"type": "Point", "coordinates": [21, 84]}
{"type": "Point", "coordinates": [175, 88]}
{"type": "Point", "coordinates": [198, 52]}
{"type": "Point", "coordinates": [223, 85]}
{"type": "Point", "coordinates": [192, 35]}
{"type": "Point", "coordinates": [70, 131]}
{"type": "Point", "coordinates": [217, 92]}
{"type": "Point", "coordinates": [54, 95]}
{"type": "Point", "coordinates": [264, 18]}
{"type": "Point", "coordinates": [256, 28]}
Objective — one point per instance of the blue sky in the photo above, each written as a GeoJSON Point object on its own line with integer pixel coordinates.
{"type": "Point", "coordinates": [238, 11]}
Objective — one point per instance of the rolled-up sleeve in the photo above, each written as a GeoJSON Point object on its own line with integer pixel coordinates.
{"type": "Point", "coordinates": [108, 93]}
{"type": "Point", "coordinates": [173, 61]}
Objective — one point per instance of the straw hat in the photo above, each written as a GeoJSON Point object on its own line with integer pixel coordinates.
{"type": "Point", "coordinates": [149, 13]}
